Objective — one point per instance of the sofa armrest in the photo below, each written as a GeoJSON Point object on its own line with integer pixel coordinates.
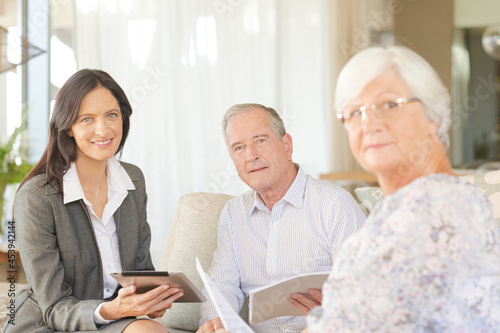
{"type": "Point", "coordinates": [193, 234]}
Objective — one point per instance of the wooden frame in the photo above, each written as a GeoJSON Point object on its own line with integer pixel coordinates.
{"type": "Point", "coordinates": [364, 176]}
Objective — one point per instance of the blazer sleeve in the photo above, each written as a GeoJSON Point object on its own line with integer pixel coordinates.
{"type": "Point", "coordinates": [36, 238]}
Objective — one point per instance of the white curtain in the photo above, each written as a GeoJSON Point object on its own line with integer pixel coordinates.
{"type": "Point", "coordinates": [183, 63]}
{"type": "Point", "coordinates": [348, 36]}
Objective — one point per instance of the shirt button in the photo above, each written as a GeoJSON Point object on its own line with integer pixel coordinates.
{"type": "Point", "coordinates": [102, 237]}
{"type": "Point", "coordinates": [107, 290]}
{"type": "Point", "coordinates": [109, 266]}
{"type": "Point", "coordinates": [271, 255]}
{"type": "Point", "coordinates": [285, 326]}
{"type": "Point", "coordinates": [274, 225]}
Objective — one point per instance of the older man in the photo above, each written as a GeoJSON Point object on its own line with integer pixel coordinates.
{"type": "Point", "coordinates": [289, 224]}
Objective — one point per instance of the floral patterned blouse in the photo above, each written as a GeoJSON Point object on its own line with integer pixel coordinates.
{"type": "Point", "coordinates": [426, 260]}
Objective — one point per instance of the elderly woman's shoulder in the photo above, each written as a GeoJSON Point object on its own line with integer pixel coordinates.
{"type": "Point", "coordinates": [438, 185]}
{"type": "Point", "coordinates": [441, 199]}
{"type": "Point", "coordinates": [441, 182]}
{"type": "Point", "coordinates": [443, 190]}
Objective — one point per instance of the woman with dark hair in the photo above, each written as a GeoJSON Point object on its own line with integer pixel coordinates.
{"type": "Point", "coordinates": [81, 214]}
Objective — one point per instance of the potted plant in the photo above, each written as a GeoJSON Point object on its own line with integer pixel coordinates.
{"type": "Point", "coordinates": [14, 164]}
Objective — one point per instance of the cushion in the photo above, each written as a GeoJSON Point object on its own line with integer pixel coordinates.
{"type": "Point", "coordinates": [489, 183]}
{"type": "Point", "coordinates": [193, 234]}
{"type": "Point", "coordinates": [369, 196]}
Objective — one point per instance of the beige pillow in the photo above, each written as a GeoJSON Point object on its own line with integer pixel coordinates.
{"type": "Point", "coordinates": [193, 234]}
{"type": "Point", "coordinates": [489, 183]}
{"type": "Point", "coordinates": [369, 196]}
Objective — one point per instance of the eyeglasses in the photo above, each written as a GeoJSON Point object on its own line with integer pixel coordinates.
{"type": "Point", "coordinates": [383, 109]}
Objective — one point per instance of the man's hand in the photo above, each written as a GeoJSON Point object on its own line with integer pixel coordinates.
{"type": "Point", "coordinates": [211, 326]}
{"type": "Point", "coordinates": [305, 302]}
{"type": "Point", "coordinates": [153, 303]}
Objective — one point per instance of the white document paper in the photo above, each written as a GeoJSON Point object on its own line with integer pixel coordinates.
{"type": "Point", "coordinates": [230, 319]}
{"type": "Point", "coordinates": [271, 301]}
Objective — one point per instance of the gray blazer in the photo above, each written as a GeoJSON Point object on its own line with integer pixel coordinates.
{"type": "Point", "coordinates": [61, 259]}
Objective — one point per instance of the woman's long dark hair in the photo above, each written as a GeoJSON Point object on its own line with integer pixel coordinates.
{"type": "Point", "coordinates": [61, 148]}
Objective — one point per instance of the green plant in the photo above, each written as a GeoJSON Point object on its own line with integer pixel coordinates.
{"type": "Point", "coordinates": [14, 164]}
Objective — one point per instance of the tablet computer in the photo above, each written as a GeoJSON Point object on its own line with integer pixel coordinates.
{"type": "Point", "coordinates": [147, 280]}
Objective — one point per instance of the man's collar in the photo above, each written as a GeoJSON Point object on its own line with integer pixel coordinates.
{"type": "Point", "coordinates": [294, 195]}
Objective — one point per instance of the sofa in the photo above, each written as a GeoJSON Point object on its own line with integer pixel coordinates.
{"type": "Point", "coordinates": [194, 233]}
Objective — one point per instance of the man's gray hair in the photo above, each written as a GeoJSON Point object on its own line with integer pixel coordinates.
{"type": "Point", "coordinates": [275, 121]}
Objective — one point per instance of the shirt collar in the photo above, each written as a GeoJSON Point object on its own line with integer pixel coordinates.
{"type": "Point", "coordinates": [118, 180]}
{"type": "Point", "coordinates": [294, 195]}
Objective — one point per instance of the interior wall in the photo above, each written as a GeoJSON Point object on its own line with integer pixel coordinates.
{"type": "Point", "coordinates": [426, 27]}
{"type": "Point", "coordinates": [477, 13]}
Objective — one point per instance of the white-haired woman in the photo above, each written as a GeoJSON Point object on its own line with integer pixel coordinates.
{"type": "Point", "coordinates": [428, 257]}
